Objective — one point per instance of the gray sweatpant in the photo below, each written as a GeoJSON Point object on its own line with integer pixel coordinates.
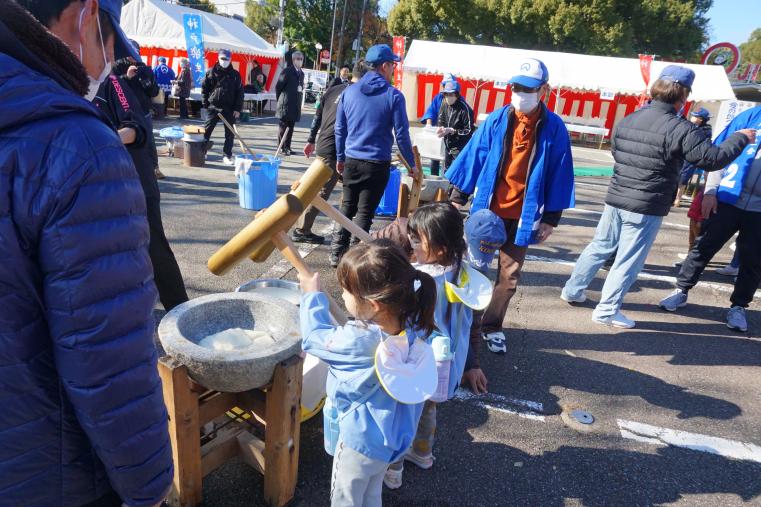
{"type": "Point", "coordinates": [357, 480]}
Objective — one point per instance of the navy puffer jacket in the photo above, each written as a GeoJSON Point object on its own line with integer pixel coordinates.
{"type": "Point", "coordinates": [81, 407]}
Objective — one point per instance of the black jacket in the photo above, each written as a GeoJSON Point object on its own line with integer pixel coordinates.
{"type": "Point", "coordinates": [649, 147]}
{"type": "Point", "coordinates": [288, 90]}
{"type": "Point", "coordinates": [120, 105]}
{"type": "Point", "coordinates": [143, 84]}
{"type": "Point", "coordinates": [222, 89]}
{"type": "Point", "coordinates": [325, 122]}
{"type": "Point", "coordinates": [707, 131]}
{"type": "Point", "coordinates": [337, 81]}
{"type": "Point", "coordinates": [458, 116]}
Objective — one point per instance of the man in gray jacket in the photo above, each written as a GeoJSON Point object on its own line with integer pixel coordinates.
{"type": "Point", "coordinates": [649, 147]}
{"type": "Point", "coordinates": [732, 203]}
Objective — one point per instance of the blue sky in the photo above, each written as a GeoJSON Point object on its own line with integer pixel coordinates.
{"type": "Point", "coordinates": [731, 20]}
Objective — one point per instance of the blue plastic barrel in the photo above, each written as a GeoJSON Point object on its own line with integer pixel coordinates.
{"type": "Point", "coordinates": [257, 186]}
{"type": "Point", "coordinates": [390, 200]}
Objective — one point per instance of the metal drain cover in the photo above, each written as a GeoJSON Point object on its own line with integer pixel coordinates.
{"type": "Point", "coordinates": [582, 416]}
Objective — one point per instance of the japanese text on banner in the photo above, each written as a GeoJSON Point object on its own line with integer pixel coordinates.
{"type": "Point", "coordinates": [194, 42]}
{"type": "Point", "coordinates": [399, 51]}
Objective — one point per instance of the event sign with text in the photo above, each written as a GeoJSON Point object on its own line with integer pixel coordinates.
{"type": "Point", "coordinates": [399, 51]}
{"type": "Point", "coordinates": [194, 42]}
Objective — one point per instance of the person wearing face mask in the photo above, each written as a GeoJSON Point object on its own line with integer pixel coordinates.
{"type": "Point", "coordinates": [185, 85]}
{"type": "Point", "coordinates": [431, 116]}
{"type": "Point", "coordinates": [222, 91]}
{"type": "Point", "coordinates": [455, 121]}
{"type": "Point", "coordinates": [164, 77]}
{"type": "Point", "coordinates": [649, 147]}
{"type": "Point", "coordinates": [83, 416]}
{"type": "Point", "coordinates": [289, 90]}
{"type": "Point", "coordinates": [518, 164]}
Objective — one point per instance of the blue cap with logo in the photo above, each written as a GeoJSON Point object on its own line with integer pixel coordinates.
{"type": "Point", "coordinates": [532, 73]}
{"type": "Point", "coordinates": [485, 234]}
{"type": "Point", "coordinates": [380, 53]}
{"type": "Point", "coordinates": [225, 53]}
{"type": "Point", "coordinates": [678, 74]}
{"type": "Point", "coordinates": [701, 113]}
{"type": "Point", "coordinates": [122, 45]}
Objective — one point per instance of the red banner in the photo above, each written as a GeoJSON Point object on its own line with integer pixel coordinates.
{"type": "Point", "coordinates": [399, 51]}
{"type": "Point", "coordinates": [644, 66]}
{"type": "Point", "coordinates": [645, 61]}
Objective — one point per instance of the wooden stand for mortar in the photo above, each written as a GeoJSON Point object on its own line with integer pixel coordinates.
{"type": "Point", "coordinates": [275, 410]}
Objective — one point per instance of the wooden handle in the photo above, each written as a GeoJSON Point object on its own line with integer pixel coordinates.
{"type": "Point", "coordinates": [402, 209]}
{"type": "Point", "coordinates": [404, 162]}
{"type": "Point", "coordinates": [324, 206]}
{"type": "Point", "coordinates": [292, 255]}
{"type": "Point", "coordinates": [441, 195]}
{"type": "Point", "coordinates": [235, 131]}
{"type": "Point", "coordinates": [257, 233]}
{"type": "Point", "coordinates": [417, 182]}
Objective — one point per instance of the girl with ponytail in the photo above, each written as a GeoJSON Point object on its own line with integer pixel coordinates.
{"type": "Point", "coordinates": [437, 238]}
{"type": "Point", "coordinates": [381, 367]}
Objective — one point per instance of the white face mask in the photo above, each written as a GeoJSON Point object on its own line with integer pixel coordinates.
{"type": "Point", "coordinates": [92, 89]}
{"type": "Point", "coordinates": [450, 99]}
{"type": "Point", "coordinates": [224, 63]}
{"type": "Point", "coordinates": [298, 63]}
{"type": "Point", "coordinates": [525, 102]}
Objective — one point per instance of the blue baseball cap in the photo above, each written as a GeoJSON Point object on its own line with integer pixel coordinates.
{"type": "Point", "coordinates": [532, 73]}
{"type": "Point", "coordinates": [380, 53]}
{"type": "Point", "coordinates": [225, 53]}
{"type": "Point", "coordinates": [678, 74]}
{"type": "Point", "coordinates": [123, 47]}
{"type": "Point", "coordinates": [484, 234]}
{"type": "Point", "coordinates": [701, 113]}
{"type": "Point", "coordinates": [450, 86]}
{"type": "Point", "coordinates": [162, 59]}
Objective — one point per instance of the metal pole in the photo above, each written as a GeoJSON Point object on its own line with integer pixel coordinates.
{"type": "Point", "coordinates": [359, 34]}
{"type": "Point", "coordinates": [281, 28]}
{"type": "Point", "coordinates": [341, 36]}
{"type": "Point", "coordinates": [332, 33]}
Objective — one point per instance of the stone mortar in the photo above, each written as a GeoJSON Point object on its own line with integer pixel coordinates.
{"type": "Point", "coordinates": [236, 370]}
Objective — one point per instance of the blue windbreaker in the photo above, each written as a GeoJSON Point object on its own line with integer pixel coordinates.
{"type": "Point", "coordinates": [380, 428]}
{"type": "Point", "coordinates": [164, 77]}
{"type": "Point", "coordinates": [550, 181]}
{"type": "Point", "coordinates": [432, 113]}
{"type": "Point", "coordinates": [731, 185]}
{"type": "Point", "coordinates": [81, 404]}
{"type": "Point", "coordinates": [366, 114]}
{"type": "Point", "coordinates": [456, 327]}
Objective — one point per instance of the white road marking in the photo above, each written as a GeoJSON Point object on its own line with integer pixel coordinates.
{"type": "Point", "coordinates": [598, 213]}
{"type": "Point", "coordinates": [281, 267]}
{"type": "Point", "coordinates": [522, 408]}
{"type": "Point", "coordinates": [704, 443]}
{"type": "Point", "coordinates": [644, 275]}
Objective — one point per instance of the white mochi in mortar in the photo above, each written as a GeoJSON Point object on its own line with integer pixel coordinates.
{"type": "Point", "coordinates": [236, 339]}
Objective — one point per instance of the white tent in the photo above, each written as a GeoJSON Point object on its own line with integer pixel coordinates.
{"type": "Point", "coordinates": [567, 70]}
{"type": "Point", "coordinates": [156, 23]}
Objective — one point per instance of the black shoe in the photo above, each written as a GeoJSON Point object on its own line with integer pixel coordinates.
{"type": "Point", "coordinates": [299, 237]}
{"type": "Point", "coordinates": [286, 152]}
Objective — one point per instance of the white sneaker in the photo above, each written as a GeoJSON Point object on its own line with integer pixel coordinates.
{"type": "Point", "coordinates": [618, 320]}
{"type": "Point", "coordinates": [423, 461]}
{"type": "Point", "coordinates": [496, 341]}
{"type": "Point", "coordinates": [569, 299]}
{"type": "Point", "coordinates": [728, 270]}
{"type": "Point", "coordinates": [393, 478]}
{"type": "Point", "coordinates": [228, 161]}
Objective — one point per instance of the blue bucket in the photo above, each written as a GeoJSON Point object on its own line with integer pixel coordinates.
{"type": "Point", "coordinates": [390, 200]}
{"type": "Point", "coordinates": [257, 186]}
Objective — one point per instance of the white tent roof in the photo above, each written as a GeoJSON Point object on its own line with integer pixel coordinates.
{"type": "Point", "coordinates": [567, 70]}
{"type": "Point", "coordinates": [156, 23]}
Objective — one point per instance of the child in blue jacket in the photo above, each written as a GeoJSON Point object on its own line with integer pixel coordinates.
{"type": "Point", "coordinates": [389, 299]}
{"type": "Point", "coordinates": [438, 243]}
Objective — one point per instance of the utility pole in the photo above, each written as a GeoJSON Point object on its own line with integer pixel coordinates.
{"type": "Point", "coordinates": [281, 28]}
{"type": "Point", "coordinates": [359, 33]}
{"type": "Point", "coordinates": [341, 36]}
{"type": "Point", "coordinates": [332, 33]}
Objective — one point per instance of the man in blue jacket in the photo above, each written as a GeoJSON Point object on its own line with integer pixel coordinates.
{"type": "Point", "coordinates": [731, 204]}
{"type": "Point", "coordinates": [431, 116]}
{"type": "Point", "coordinates": [83, 418]}
{"type": "Point", "coordinates": [519, 165]}
{"type": "Point", "coordinates": [369, 115]}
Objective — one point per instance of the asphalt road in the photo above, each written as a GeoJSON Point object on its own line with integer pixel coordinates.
{"type": "Point", "coordinates": [683, 372]}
